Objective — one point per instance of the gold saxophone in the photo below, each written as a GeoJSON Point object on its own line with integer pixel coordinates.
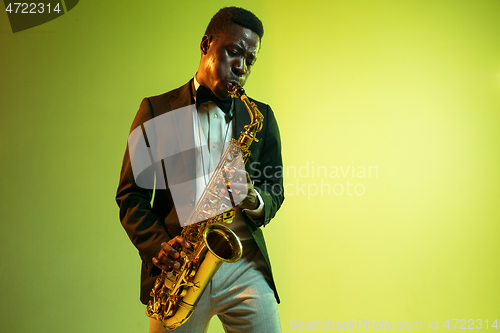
{"type": "Point", "coordinates": [177, 291]}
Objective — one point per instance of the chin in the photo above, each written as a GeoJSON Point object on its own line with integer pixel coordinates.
{"type": "Point", "coordinates": [222, 94]}
{"type": "Point", "coordinates": [224, 97]}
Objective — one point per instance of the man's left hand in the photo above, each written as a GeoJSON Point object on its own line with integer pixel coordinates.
{"type": "Point", "coordinates": [242, 192]}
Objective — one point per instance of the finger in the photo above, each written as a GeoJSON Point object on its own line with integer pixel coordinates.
{"type": "Point", "coordinates": [168, 250]}
{"type": "Point", "coordinates": [239, 187]}
{"type": "Point", "coordinates": [158, 264]}
{"type": "Point", "coordinates": [241, 180]}
{"type": "Point", "coordinates": [166, 264]}
{"type": "Point", "coordinates": [245, 178]}
{"type": "Point", "coordinates": [182, 241]}
{"type": "Point", "coordinates": [237, 172]}
{"type": "Point", "coordinates": [240, 192]}
{"type": "Point", "coordinates": [168, 259]}
{"type": "Point", "coordinates": [175, 243]}
{"type": "Point", "coordinates": [237, 175]}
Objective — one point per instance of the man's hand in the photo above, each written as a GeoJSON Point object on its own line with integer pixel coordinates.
{"type": "Point", "coordinates": [168, 256]}
{"type": "Point", "coordinates": [242, 192]}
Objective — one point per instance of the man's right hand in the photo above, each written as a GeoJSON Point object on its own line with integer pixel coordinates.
{"type": "Point", "coordinates": [168, 256]}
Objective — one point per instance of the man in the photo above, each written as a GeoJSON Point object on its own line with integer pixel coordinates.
{"type": "Point", "coordinates": [241, 294]}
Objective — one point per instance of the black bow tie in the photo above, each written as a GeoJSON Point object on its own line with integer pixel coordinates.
{"type": "Point", "coordinates": [204, 95]}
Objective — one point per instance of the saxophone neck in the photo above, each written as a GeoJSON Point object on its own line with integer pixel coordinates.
{"type": "Point", "coordinates": [256, 117]}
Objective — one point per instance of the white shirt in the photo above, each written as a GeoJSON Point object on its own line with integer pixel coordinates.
{"type": "Point", "coordinates": [211, 134]}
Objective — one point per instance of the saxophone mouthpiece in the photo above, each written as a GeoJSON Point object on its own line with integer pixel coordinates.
{"type": "Point", "coordinates": [235, 90]}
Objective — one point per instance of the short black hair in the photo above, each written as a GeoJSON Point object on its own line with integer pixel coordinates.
{"type": "Point", "coordinates": [227, 16]}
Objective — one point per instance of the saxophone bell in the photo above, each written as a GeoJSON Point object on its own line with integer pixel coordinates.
{"type": "Point", "coordinates": [223, 243]}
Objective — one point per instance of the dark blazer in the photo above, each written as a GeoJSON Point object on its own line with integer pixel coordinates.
{"type": "Point", "coordinates": [148, 226]}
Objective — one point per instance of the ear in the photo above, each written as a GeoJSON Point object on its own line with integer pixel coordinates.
{"type": "Point", "coordinates": [205, 44]}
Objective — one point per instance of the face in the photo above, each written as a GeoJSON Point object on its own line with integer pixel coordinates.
{"type": "Point", "coordinates": [227, 59]}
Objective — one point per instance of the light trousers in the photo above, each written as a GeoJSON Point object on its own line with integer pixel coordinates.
{"type": "Point", "coordinates": [239, 295]}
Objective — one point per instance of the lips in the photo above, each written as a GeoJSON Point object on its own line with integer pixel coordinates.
{"type": "Point", "coordinates": [232, 83]}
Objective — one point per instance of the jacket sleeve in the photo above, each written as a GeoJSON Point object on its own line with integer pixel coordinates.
{"type": "Point", "coordinates": [145, 229]}
{"type": "Point", "coordinates": [267, 171]}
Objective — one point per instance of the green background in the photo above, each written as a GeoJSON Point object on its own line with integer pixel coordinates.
{"type": "Point", "coordinates": [410, 88]}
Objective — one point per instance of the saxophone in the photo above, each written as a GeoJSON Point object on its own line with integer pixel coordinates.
{"type": "Point", "coordinates": [177, 291]}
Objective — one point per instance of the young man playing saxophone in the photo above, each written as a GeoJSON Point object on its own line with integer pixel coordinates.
{"type": "Point", "coordinates": [241, 294]}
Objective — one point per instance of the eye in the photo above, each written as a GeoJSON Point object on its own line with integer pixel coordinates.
{"type": "Point", "coordinates": [250, 62]}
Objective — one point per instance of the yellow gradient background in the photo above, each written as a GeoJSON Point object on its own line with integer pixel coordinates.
{"type": "Point", "coordinates": [409, 90]}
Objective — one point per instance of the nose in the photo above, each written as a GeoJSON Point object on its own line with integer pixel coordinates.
{"type": "Point", "coordinates": [240, 68]}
